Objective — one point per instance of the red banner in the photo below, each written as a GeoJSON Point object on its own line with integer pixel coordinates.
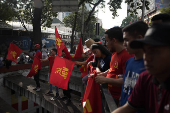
{"type": "Point", "coordinates": [61, 72]}
{"type": "Point", "coordinates": [68, 56]}
{"type": "Point", "coordinates": [13, 52]}
{"type": "Point", "coordinates": [84, 70]}
{"type": "Point", "coordinates": [34, 68]}
{"type": "Point", "coordinates": [79, 50]}
{"type": "Point", "coordinates": [59, 43]}
{"type": "Point", "coordinates": [92, 100]}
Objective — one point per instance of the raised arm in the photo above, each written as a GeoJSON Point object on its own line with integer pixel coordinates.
{"type": "Point", "coordinates": [28, 55]}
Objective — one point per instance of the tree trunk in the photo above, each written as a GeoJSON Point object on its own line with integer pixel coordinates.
{"type": "Point", "coordinates": [72, 35]}
{"type": "Point", "coordinates": [37, 26]}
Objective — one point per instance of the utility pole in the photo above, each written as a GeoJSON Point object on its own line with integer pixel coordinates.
{"type": "Point", "coordinates": [37, 22]}
{"type": "Point", "coordinates": [82, 29]}
{"type": "Point", "coordinates": [143, 10]}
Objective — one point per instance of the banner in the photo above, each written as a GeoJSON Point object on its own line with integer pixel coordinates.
{"type": "Point", "coordinates": [92, 100]}
{"type": "Point", "coordinates": [79, 50]}
{"type": "Point", "coordinates": [13, 52]}
{"type": "Point", "coordinates": [61, 72]}
{"type": "Point", "coordinates": [84, 70]}
{"type": "Point", "coordinates": [59, 43]}
{"type": "Point", "coordinates": [34, 68]}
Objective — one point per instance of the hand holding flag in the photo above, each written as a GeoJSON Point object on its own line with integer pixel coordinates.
{"type": "Point", "coordinates": [92, 102]}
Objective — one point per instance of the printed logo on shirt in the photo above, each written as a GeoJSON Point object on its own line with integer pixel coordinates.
{"type": "Point", "coordinates": [130, 82]}
{"type": "Point", "coordinates": [116, 65]}
{"type": "Point", "coordinates": [102, 63]}
{"type": "Point", "coordinates": [167, 107]}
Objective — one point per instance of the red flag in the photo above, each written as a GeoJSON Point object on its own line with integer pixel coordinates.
{"type": "Point", "coordinates": [13, 52]}
{"type": "Point", "coordinates": [59, 43]}
{"type": "Point", "coordinates": [92, 102]}
{"type": "Point", "coordinates": [34, 68]}
{"type": "Point", "coordinates": [61, 72]}
{"type": "Point", "coordinates": [68, 56]}
{"type": "Point", "coordinates": [84, 70]}
{"type": "Point", "coordinates": [79, 50]}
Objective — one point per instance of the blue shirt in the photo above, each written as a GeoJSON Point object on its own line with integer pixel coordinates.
{"type": "Point", "coordinates": [133, 68]}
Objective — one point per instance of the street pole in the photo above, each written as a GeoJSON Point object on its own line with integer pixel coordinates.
{"type": "Point", "coordinates": [82, 29]}
{"type": "Point", "coordinates": [143, 10]}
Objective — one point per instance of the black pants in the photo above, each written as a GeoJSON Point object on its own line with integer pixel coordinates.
{"type": "Point", "coordinates": [36, 78]}
{"type": "Point", "coordinates": [67, 92]}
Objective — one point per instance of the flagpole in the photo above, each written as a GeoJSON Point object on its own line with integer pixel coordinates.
{"type": "Point", "coordinates": [82, 29]}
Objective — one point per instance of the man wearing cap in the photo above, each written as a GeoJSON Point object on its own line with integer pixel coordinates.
{"type": "Point", "coordinates": [152, 90]}
{"type": "Point", "coordinates": [39, 56]}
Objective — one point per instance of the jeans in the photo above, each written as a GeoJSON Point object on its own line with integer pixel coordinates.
{"type": "Point", "coordinates": [51, 86]}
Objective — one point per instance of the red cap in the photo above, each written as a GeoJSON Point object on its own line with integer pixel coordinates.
{"type": "Point", "coordinates": [37, 45]}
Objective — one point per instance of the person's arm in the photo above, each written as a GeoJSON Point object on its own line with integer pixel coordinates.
{"type": "Point", "coordinates": [44, 60]}
{"type": "Point", "coordinates": [80, 63]}
{"type": "Point", "coordinates": [29, 55]}
{"type": "Point", "coordinates": [103, 73]}
{"type": "Point", "coordinates": [125, 109]}
{"type": "Point", "coordinates": [100, 73]}
{"type": "Point", "coordinates": [116, 82]}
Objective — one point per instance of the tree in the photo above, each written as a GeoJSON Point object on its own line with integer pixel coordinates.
{"type": "Point", "coordinates": [94, 4]}
{"type": "Point", "coordinates": [69, 21]}
{"type": "Point", "coordinates": [135, 5]}
{"type": "Point", "coordinates": [7, 13]}
{"type": "Point", "coordinates": [166, 10]}
{"type": "Point", "coordinates": [26, 12]}
{"type": "Point", "coordinates": [129, 19]}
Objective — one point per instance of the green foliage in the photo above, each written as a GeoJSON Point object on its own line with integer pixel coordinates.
{"type": "Point", "coordinates": [25, 10]}
{"type": "Point", "coordinates": [69, 21]}
{"type": "Point", "coordinates": [128, 20]}
{"type": "Point", "coordinates": [113, 6]}
{"type": "Point", "coordinates": [166, 10]}
{"type": "Point", "coordinates": [6, 12]}
{"type": "Point", "coordinates": [138, 4]}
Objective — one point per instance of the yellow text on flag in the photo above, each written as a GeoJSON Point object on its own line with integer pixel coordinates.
{"type": "Point", "coordinates": [83, 66]}
{"type": "Point", "coordinates": [62, 71]}
{"type": "Point", "coordinates": [36, 68]}
{"type": "Point", "coordinates": [13, 53]}
{"type": "Point", "coordinates": [58, 41]}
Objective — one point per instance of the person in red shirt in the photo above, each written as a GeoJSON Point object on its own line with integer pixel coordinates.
{"type": "Point", "coordinates": [152, 90]}
{"type": "Point", "coordinates": [51, 61]}
{"type": "Point", "coordinates": [114, 75]}
{"type": "Point", "coordinates": [39, 56]}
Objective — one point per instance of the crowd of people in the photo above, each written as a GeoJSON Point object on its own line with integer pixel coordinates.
{"type": "Point", "coordinates": [138, 71]}
{"type": "Point", "coordinates": [135, 65]}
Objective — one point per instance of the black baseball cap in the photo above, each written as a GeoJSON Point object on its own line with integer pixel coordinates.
{"type": "Point", "coordinates": [158, 35]}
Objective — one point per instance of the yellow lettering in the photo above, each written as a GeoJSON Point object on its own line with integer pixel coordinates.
{"type": "Point", "coordinates": [62, 71]}
{"type": "Point", "coordinates": [83, 66]}
{"type": "Point", "coordinates": [13, 53]}
{"type": "Point", "coordinates": [58, 41]}
{"type": "Point", "coordinates": [36, 68]}
{"type": "Point", "coordinates": [87, 106]}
